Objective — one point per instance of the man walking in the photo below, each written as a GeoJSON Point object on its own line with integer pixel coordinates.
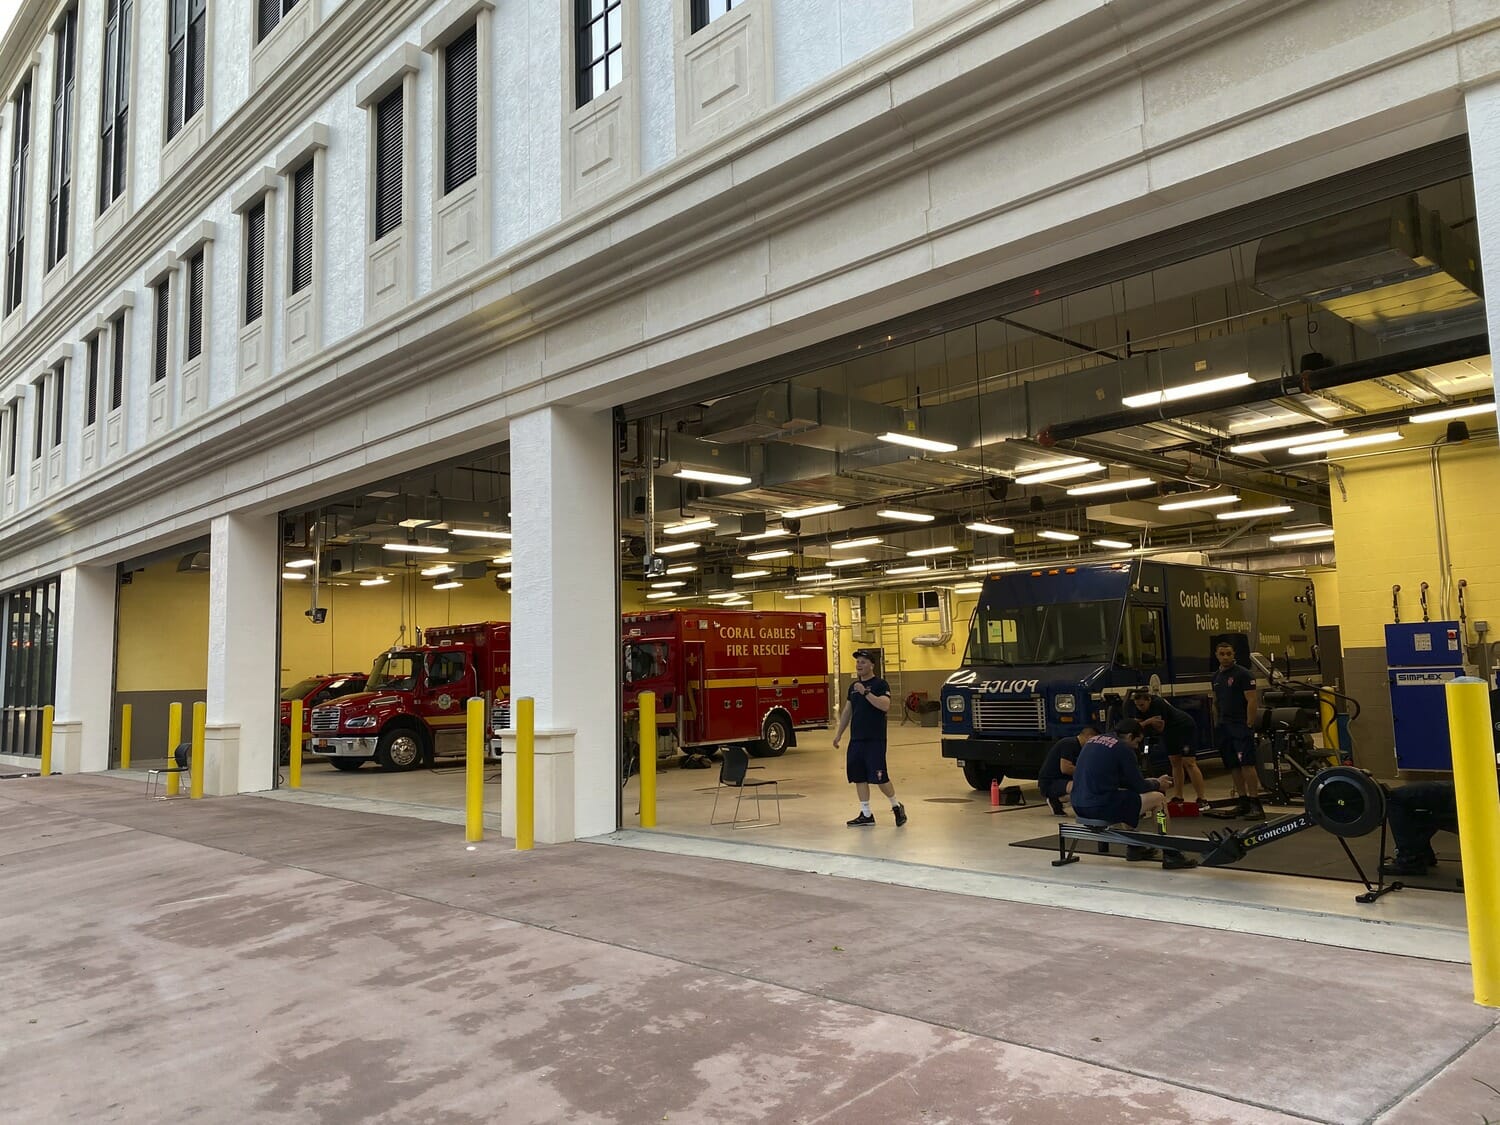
{"type": "Point", "coordinates": [1236, 706]}
{"type": "Point", "coordinates": [864, 714]}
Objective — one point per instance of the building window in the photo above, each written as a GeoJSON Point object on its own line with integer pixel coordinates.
{"type": "Point", "coordinates": [59, 401]}
{"type": "Point", "coordinates": [303, 192]}
{"type": "Point", "coordinates": [15, 239]}
{"type": "Point", "coordinates": [388, 162]}
{"type": "Point", "coordinates": [12, 429]}
{"type": "Point", "coordinates": [599, 46]}
{"type": "Point", "coordinates": [272, 12]}
{"type": "Point", "coordinates": [195, 306]}
{"type": "Point", "coordinates": [117, 363]}
{"type": "Point", "coordinates": [461, 110]}
{"type": "Point", "coordinates": [28, 664]}
{"type": "Point", "coordinates": [185, 61]}
{"type": "Point", "coordinates": [255, 262]}
{"type": "Point", "coordinates": [706, 11]}
{"type": "Point", "coordinates": [38, 417]}
{"type": "Point", "coordinates": [60, 174]}
{"type": "Point", "coordinates": [91, 389]}
{"type": "Point", "coordinates": [159, 346]}
{"type": "Point", "coordinates": [114, 115]}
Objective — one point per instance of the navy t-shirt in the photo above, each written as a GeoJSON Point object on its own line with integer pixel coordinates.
{"type": "Point", "coordinates": [1161, 709]}
{"type": "Point", "coordinates": [866, 721]}
{"type": "Point", "coordinates": [1052, 767]}
{"type": "Point", "coordinates": [1230, 687]}
{"type": "Point", "coordinates": [1105, 766]}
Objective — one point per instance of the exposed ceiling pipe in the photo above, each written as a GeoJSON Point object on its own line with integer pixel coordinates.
{"type": "Point", "coordinates": [1211, 476]}
{"type": "Point", "coordinates": [945, 623]}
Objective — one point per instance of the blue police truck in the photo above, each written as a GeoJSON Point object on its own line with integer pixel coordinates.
{"type": "Point", "coordinates": [1053, 648]}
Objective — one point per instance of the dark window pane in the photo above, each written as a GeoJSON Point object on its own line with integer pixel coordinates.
{"type": "Point", "coordinates": [117, 375]}
{"type": "Point", "coordinates": [461, 110]}
{"type": "Point", "coordinates": [15, 244]}
{"type": "Point", "coordinates": [195, 306]}
{"type": "Point", "coordinates": [255, 261]}
{"type": "Point", "coordinates": [162, 340]}
{"type": "Point", "coordinates": [303, 191]}
{"type": "Point", "coordinates": [38, 416]}
{"type": "Point", "coordinates": [59, 402]}
{"type": "Point", "coordinates": [388, 162]}
{"type": "Point", "coordinates": [91, 397]}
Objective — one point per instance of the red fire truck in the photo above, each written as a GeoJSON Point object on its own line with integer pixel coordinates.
{"type": "Point", "coordinates": [313, 691]}
{"type": "Point", "coordinates": [412, 708]}
{"type": "Point", "coordinates": [727, 676]}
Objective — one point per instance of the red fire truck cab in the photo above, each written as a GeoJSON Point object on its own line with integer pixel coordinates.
{"type": "Point", "coordinates": [313, 691]}
{"type": "Point", "coordinates": [727, 676]}
{"type": "Point", "coordinates": [412, 708]}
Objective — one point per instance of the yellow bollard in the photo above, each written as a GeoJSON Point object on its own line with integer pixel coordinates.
{"type": "Point", "coordinates": [525, 774]}
{"type": "Point", "coordinates": [1328, 716]}
{"type": "Point", "coordinates": [647, 705]}
{"type": "Point", "coordinates": [47, 740]}
{"type": "Point", "coordinates": [200, 726]}
{"type": "Point", "coordinates": [474, 774]}
{"type": "Point", "coordinates": [1478, 828]}
{"type": "Point", "coordinates": [174, 736]}
{"type": "Point", "coordinates": [294, 747]}
{"type": "Point", "coordinates": [127, 715]}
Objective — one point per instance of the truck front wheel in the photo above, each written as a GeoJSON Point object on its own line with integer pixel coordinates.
{"type": "Point", "coordinates": [399, 749]}
{"type": "Point", "coordinates": [775, 737]}
{"type": "Point", "coordinates": [979, 775]}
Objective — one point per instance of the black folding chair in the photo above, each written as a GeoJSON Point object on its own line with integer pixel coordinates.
{"type": "Point", "coordinates": [732, 776]}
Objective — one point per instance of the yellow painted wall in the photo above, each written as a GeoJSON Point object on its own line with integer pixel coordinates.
{"type": "Point", "coordinates": [1326, 589]}
{"type": "Point", "coordinates": [163, 643]}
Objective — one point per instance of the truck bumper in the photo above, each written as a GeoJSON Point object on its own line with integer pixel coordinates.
{"type": "Point", "coordinates": [1019, 757]}
{"type": "Point", "coordinates": [323, 747]}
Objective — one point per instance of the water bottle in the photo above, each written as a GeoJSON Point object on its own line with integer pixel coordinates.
{"type": "Point", "coordinates": [1161, 821]}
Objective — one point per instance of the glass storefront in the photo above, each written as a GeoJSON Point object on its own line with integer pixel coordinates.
{"type": "Point", "coordinates": [28, 665]}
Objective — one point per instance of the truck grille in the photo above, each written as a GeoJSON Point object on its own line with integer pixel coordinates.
{"type": "Point", "coordinates": [325, 720]}
{"type": "Point", "coordinates": [1009, 715]}
{"type": "Point", "coordinates": [500, 716]}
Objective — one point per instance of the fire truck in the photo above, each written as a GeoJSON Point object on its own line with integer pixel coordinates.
{"type": "Point", "coordinates": [726, 676]}
{"type": "Point", "coordinates": [313, 691]}
{"type": "Point", "coordinates": [413, 706]}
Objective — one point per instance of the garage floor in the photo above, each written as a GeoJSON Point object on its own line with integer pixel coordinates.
{"type": "Point", "coordinates": [954, 841]}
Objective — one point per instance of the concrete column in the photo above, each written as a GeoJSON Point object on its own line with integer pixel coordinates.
{"type": "Point", "coordinates": [1482, 105]}
{"type": "Point", "coordinates": [565, 620]}
{"type": "Point", "coordinates": [85, 669]}
{"type": "Point", "coordinates": [243, 612]}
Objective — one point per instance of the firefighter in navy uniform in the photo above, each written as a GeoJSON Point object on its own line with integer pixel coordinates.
{"type": "Point", "coordinates": [1236, 703]}
{"type": "Point", "coordinates": [865, 710]}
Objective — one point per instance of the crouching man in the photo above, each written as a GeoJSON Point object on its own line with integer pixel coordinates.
{"type": "Point", "coordinates": [1108, 786]}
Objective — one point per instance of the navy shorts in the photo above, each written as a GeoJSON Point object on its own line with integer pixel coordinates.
{"type": "Point", "coordinates": [1122, 808]}
{"type": "Point", "coordinates": [866, 762]}
{"type": "Point", "coordinates": [1235, 743]}
{"type": "Point", "coordinates": [1054, 787]}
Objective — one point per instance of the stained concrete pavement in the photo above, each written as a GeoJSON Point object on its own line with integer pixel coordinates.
{"type": "Point", "coordinates": [244, 959]}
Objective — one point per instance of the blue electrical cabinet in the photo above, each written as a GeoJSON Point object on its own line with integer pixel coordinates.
{"type": "Point", "coordinates": [1421, 658]}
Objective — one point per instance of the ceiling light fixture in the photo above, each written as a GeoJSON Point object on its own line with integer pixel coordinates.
{"type": "Point", "coordinates": [1311, 535]}
{"type": "Point", "coordinates": [1064, 472]}
{"type": "Point", "coordinates": [999, 564]}
{"type": "Point", "coordinates": [688, 527]}
{"type": "Point", "coordinates": [1286, 442]}
{"type": "Point", "coordinates": [449, 585]}
{"type": "Point", "coordinates": [750, 574]}
{"type": "Point", "coordinates": [924, 552]}
{"type": "Point", "coordinates": [711, 478]}
{"type": "Point", "coordinates": [1189, 390]}
{"type": "Point", "coordinates": [677, 548]}
{"type": "Point", "coordinates": [434, 571]}
{"type": "Point", "coordinates": [301, 564]}
{"type": "Point", "coordinates": [294, 575]}
{"type": "Point", "coordinates": [850, 544]}
{"type": "Point", "coordinates": [1050, 463]}
{"type": "Point", "coordinates": [991, 528]}
{"type": "Point", "coordinates": [1059, 536]}
{"type": "Point", "coordinates": [766, 556]}
{"type": "Point", "coordinates": [478, 533]}
{"type": "Point", "coordinates": [834, 564]}
{"type": "Point", "coordinates": [381, 581]}
{"type": "Point", "coordinates": [685, 568]}
{"type": "Point", "coordinates": [772, 533]}
{"type": "Point", "coordinates": [798, 597]}
{"type": "Point", "coordinates": [416, 548]}
{"type": "Point", "coordinates": [815, 510]}
{"type": "Point", "coordinates": [1110, 486]}
{"type": "Point", "coordinates": [505, 574]}
{"type": "Point", "coordinates": [1454, 412]}
{"type": "Point", "coordinates": [909, 517]}
{"type": "Point", "coordinates": [1254, 513]}
{"type": "Point", "coordinates": [919, 443]}
{"type": "Point", "coordinates": [923, 569]}
{"type": "Point", "coordinates": [824, 577]}
{"type": "Point", "coordinates": [660, 597]}
{"type": "Point", "coordinates": [1113, 544]}
{"type": "Point", "coordinates": [1383, 437]}
{"type": "Point", "coordinates": [969, 588]}
{"type": "Point", "coordinates": [1200, 502]}
{"type": "Point", "coordinates": [505, 558]}
{"type": "Point", "coordinates": [667, 585]}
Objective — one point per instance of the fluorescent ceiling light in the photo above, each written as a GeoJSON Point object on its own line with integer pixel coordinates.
{"type": "Point", "coordinates": [1001, 564]}
{"type": "Point", "coordinates": [1050, 463]}
{"type": "Point", "coordinates": [505, 558]}
{"type": "Point", "coordinates": [834, 564]}
{"type": "Point", "coordinates": [1110, 486]}
{"type": "Point", "coordinates": [923, 552]}
{"type": "Point", "coordinates": [1308, 536]}
{"type": "Point", "coordinates": [413, 523]}
{"type": "Point", "coordinates": [1113, 544]}
{"type": "Point", "coordinates": [969, 588]}
{"type": "Point", "coordinates": [816, 577]}
{"type": "Point", "coordinates": [1384, 437]}
{"type": "Point", "coordinates": [674, 548]}
{"type": "Point", "coordinates": [381, 581]}
{"type": "Point", "coordinates": [991, 528]}
{"type": "Point", "coordinates": [750, 574]}
{"type": "Point", "coordinates": [815, 510]}
{"type": "Point", "coordinates": [685, 568]}
{"type": "Point", "coordinates": [711, 478]}
{"type": "Point", "coordinates": [772, 533]}
{"type": "Point", "coordinates": [923, 569]}
{"type": "Point", "coordinates": [1455, 412]}
{"type": "Point", "coordinates": [797, 597]}
{"type": "Point", "coordinates": [505, 574]}
{"type": "Point", "coordinates": [689, 527]}
{"type": "Point", "coordinates": [659, 597]}
{"type": "Point", "coordinates": [434, 571]}
{"type": "Point", "coordinates": [1286, 442]}
{"type": "Point", "coordinates": [478, 533]}
{"type": "Point", "coordinates": [416, 548]}
{"type": "Point", "coordinates": [667, 585]}
{"type": "Point", "coordinates": [909, 517]}
{"type": "Point", "coordinates": [764, 556]}
{"type": "Point", "coordinates": [448, 585]}
{"type": "Point", "coordinates": [301, 564]}
{"type": "Point", "coordinates": [293, 575]}
{"type": "Point", "coordinates": [850, 544]}
{"type": "Point", "coordinates": [1064, 472]}
{"type": "Point", "coordinates": [1200, 502]}
{"type": "Point", "coordinates": [919, 443]}
{"type": "Point", "coordinates": [722, 597]}
{"type": "Point", "coordinates": [1254, 513]}
{"type": "Point", "coordinates": [1189, 390]}
{"type": "Point", "coordinates": [1060, 536]}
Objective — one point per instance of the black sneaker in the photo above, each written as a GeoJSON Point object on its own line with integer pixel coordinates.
{"type": "Point", "coordinates": [900, 814]}
{"type": "Point", "coordinates": [1056, 804]}
{"type": "Point", "coordinates": [1399, 866]}
{"type": "Point", "coordinates": [1250, 808]}
{"type": "Point", "coordinates": [1137, 854]}
{"type": "Point", "coordinates": [861, 820]}
{"type": "Point", "coordinates": [1176, 861]}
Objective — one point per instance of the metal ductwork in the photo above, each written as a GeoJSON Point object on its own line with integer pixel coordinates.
{"type": "Point", "coordinates": [945, 622]}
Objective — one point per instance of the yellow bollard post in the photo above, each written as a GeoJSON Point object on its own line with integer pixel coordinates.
{"type": "Point", "coordinates": [474, 773]}
{"type": "Point", "coordinates": [200, 725]}
{"type": "Point", "coordinates": [294, 747]}
{"type": "Point", "coordinates": [525, 774]}
{"type": "Point", "coordinates": [1328, 716]}
{"type": "Point", "coordinates": [127, 716]}
{"type": "Point", "coordinates": [647, 704]}
{"type": "Point", "coordinates": [1478, 828]}
{"type": "Point", "coordinates": [47, 740]}
{"type": "Point", "coordinates": [174, 736]}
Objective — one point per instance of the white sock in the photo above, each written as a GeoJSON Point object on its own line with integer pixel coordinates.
{"type": "Point", "coordinates": [864, 809]}
{"type": "Point", "coordinates": [895, 804]}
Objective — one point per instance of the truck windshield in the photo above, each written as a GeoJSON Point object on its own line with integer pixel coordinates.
{"type": "Point", "coordinates": [394, 671]}
{"type": "Point", "coordinates": [1066, 633]}
{"type": "Point", "coordinates": [645, 660]}
{"type": "Point", "coordinates": [300, 690]}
